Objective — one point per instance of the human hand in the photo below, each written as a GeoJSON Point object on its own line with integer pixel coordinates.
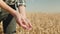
{"type": "Point", "coordinates": [24, 22]}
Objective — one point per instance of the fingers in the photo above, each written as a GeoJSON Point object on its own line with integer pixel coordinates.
{"type": "Point", "coordinates": [24, 26]}
{"type": "Point", "coordinates": [20, 23]}
{"type": "Point", "coordinates": [27, 23]}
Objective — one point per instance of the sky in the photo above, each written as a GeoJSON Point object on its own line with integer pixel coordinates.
{"type": "Point", "coordinates": [43, 6]}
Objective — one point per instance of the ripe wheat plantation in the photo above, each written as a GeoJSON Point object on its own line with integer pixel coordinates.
{"type": "Point", "coordinates": [42, 23]}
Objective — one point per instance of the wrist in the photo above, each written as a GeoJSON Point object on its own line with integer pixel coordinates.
{"type": "Point", "coordinates": [23, 15]}
{"type": "Point", "coordinates": [16, 14]}
{"type": "Point", "coordinates": [22, 11]}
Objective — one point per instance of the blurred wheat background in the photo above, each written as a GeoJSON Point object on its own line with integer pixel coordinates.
{"type": "Point", "coordinates": [43, 23]}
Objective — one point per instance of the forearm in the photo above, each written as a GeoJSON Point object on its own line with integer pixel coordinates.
{"type": "Point", "coordinates": [22, 10]}
{"type": "Point", "coordinates": [21, 7]}
{"type": "Point", "coordinates": [7, 8]}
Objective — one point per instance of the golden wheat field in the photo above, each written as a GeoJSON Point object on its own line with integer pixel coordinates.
{"type": "Point", "coordinates": [42, 23]}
